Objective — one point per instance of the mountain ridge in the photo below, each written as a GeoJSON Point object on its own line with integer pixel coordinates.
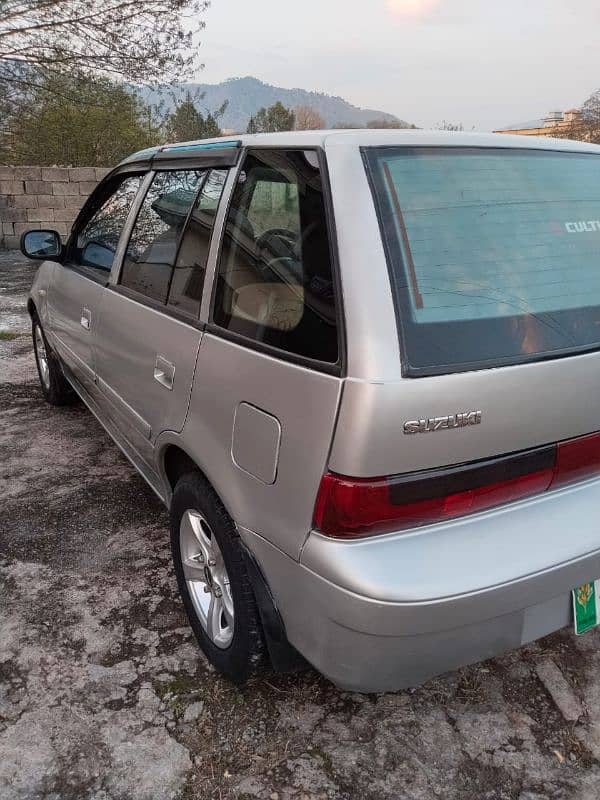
{"type": "Point", "coordinates": [245, 95]}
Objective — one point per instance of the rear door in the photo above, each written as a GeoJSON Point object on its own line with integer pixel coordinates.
{"type": "Point", "coordinates": [150, 331]}
{"type": "Point", "coordinates": [77, 285]}
{"type": "Point", "coordinates": [268, 380]}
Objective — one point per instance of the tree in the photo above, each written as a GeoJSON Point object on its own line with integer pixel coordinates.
{"type": "Point", "coordinates": [376, 123]}
{"type": "Point", "coordinates": [584, 126]}
{"type": "Point", "coordinates": [186, 122]}
{"type": "Point", "coordinates": [136, 40]}
{"type": "Point", "coordinates": [308, 119]}
{"type": "Point", "coordinates": [389, 124]}
{"type": "Point", "coordinates": [79, 122]}
{"type": "Point", "coordinates": [275, 118]}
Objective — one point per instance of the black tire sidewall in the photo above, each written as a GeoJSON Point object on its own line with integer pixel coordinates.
{"type": "Point", "coordinates": [47, 391]}
{"type": "Point", "coordinates": [245, 653]}
{"type": "Point", "coordinates": [59, 391]}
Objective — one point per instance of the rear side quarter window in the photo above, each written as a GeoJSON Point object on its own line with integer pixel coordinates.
{"type": "Point", "coordinates": [274, 281]}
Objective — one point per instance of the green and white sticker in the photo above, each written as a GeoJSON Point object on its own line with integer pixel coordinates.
{"type": "Point", "coordinates": [585, 607]}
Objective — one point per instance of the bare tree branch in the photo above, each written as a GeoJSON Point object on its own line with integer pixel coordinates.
{"type": "Point", "coordinates": [139, 41]}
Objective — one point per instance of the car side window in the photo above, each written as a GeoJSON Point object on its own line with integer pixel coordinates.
{"type": "Point", "coordinates": [274, 281]}
{"type": "Point", "coordinates": [185, 293]}
{"type": "Point", "coordinates": [152, 246]}
{"type": "Point", "coordinates": [96, 242]}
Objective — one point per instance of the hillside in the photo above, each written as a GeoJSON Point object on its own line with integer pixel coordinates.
{"type": "Point", "coordinates": [247, 95]}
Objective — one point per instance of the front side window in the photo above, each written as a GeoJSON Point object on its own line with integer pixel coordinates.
{"type": "Point", "coordinates": [274, 281]}
{"type": "Point", "coordinates": [185, 293]}
{"type": "Point", "coordinates": [152, 247]}
{"type": "Point", "coordinates": [494, 254]}
{"type": "Point", "coordinates": [96, 242]}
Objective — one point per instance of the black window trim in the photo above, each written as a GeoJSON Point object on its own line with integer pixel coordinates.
{"type": "Point", "coordinates": [382, 213]}
{"type": "Point", "coordinates": [339, 367]}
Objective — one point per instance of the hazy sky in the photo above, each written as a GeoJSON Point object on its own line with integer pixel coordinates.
{"type": "Point", "coordinates": [477, 62]}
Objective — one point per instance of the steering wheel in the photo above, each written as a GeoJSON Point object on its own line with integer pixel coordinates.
{"type": "Point", "coordinates": [283, 236]}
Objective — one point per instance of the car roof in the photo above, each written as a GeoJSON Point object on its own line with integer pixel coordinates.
{"type": "Point", "coordinates": [370, 137]}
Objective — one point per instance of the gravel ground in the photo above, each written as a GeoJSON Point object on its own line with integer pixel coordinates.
{"type": "Point", "coordinates": [104, 694]}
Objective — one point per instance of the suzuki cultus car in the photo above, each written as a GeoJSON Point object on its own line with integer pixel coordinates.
{"type": "Point", "coordinates": [362, 370]}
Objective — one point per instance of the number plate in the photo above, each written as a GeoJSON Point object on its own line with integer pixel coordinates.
{"type": "Point", "coordinates": [585, 607]}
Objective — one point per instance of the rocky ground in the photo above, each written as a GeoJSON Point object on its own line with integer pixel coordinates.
{"type": "Point", "coordinates": [105, 696]}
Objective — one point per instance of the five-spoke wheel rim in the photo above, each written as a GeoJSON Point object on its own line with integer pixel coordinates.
{"type": "Point", "coordinates": [206, 577]}
{"type": "Point", "coordinates": [42, 357]}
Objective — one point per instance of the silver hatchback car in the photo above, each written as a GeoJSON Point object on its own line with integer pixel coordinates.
{"type": "Point", "coordinates": [362, 369]}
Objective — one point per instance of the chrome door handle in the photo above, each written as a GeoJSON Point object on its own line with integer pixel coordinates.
{"type": "Point", "coordinates": [164, 372]}
{"type": "Point", "coordinates": [86, 318]}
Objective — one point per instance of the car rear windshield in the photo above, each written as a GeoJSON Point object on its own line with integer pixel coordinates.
{"type": "Point", "coordinates": [494, 254]}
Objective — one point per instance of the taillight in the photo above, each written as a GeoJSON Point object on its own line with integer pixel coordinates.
{"type": "Point", "coordinates": [577, 459]}
{"type": "Point", "coordinates": [356, 507]}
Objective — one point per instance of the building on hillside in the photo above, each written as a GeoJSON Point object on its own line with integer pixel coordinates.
{"type": "Point", "coordinates": [555, 124]}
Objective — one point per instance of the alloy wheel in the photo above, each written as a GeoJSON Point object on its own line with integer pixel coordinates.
{"type": "Point", "coordinates": [42, 357]}
{"type": "Point", "coordinates": [206, 577]}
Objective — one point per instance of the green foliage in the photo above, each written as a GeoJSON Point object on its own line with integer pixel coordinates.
{"type": "Point", "coordinates": [379, 122]}
{"type": "Point", "coordinates": [78, 122]}
{"type": "Point", "coordinates": [274, 118]}
{"type": "Point", "coordinates": [187, 123]}
{"type": "Point", "coordinates": [389, 124]}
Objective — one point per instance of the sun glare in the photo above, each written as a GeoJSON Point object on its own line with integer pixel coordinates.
{"type": "Point", "coordinates": [401, 9]}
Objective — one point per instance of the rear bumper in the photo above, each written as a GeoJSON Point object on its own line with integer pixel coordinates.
{"type": "Point", "coordinates": [391, 612]}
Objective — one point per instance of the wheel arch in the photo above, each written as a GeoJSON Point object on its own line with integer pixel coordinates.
{"type": "Point", "coordinates": [175, 462]}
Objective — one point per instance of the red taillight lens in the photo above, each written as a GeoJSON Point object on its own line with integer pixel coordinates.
{"type": "Point", "coordinates": [577, 459]}
{"type": "Point", "coordinates": [356, 507]}
{"type": "Point", "coordinates": [351, 508]}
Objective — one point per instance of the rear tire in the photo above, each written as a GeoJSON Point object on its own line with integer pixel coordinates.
{"type": "Point", "coordinates": [56, 389]}
{"type": "Point", "coordinates": [213, 581]}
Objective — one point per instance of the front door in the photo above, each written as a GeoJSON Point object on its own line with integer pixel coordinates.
{"type": "Point", "coordinates": [150, 333]}
{"type": "Point", "coordinates": [77, 286]}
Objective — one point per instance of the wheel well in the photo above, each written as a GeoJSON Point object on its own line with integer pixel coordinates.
{"type": "Point", "coordinates": [284, 657]}
{"type": "Point", "coordinates": [178, 463]}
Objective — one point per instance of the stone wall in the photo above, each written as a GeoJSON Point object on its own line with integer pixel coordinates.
{"type": "Point", "coordinates": [42, 197]}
